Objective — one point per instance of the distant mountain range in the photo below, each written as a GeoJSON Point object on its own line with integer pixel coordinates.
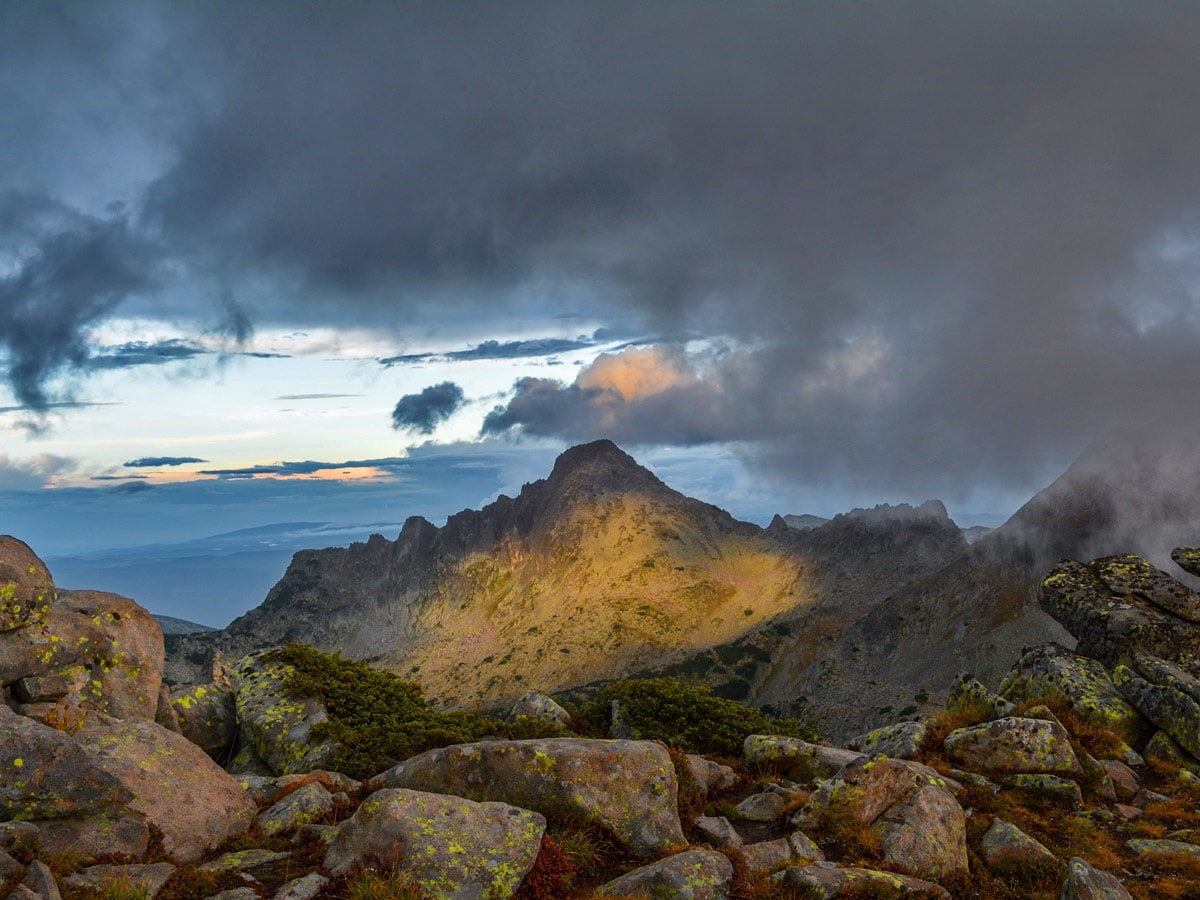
{"type": "Point", "coordinates": [214, 578]}
{"type": "Point", "coordinates": [601, 571]}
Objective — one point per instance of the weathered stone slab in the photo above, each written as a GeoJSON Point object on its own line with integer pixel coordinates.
{"type": "Point", "coordinates": [691, 875]}
{"type": "Point", "coordinates": [627, 787]}
{"type": "Point", "coordinates": [455, 849]}
{"type": "Point", "coordinates": [276, 723]}
{"type": "Point", "coordinates": [1014, 744]}
{"type": "Point", "coordinates": [1048, 671]}
{"type": "Point", "coordinates": [793, 758]}
{"type": "Point", "coordinates": [159, 768]}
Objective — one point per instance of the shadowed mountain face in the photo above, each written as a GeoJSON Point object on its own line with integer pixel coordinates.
{"type": "Point", "coordinates": [601, 571]}
{"type": "Point", "coordinates": [973, 615]}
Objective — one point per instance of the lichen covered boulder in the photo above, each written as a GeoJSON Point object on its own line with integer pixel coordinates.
{"type": "Point", "coordinates": [1110, 622]}
{"type": "Point", "coordinates": [925, 833]}
{"type": "Point", "coordinates": [207, 716]}
{"type": "Point", "coordinates": [454, 848]}
{"type": "Point", "coordinates": [691, 875]}
{"type": "Point", "coordinates": [84, 652]}
{"type": "Point", "coordinates": [535, 705]}
{"type": "Point", "coordinates": [627, 787]}
{"type": "Point", "coordinates": [159, 769]}
{"type": "Point", "coordinates": [1167, 695]}
{"type": "Point", "coordinates": [899, 741]}
{"type": "Point", "coordinates": [277, 724]}
{"type": "Point", "coordinates": [306, 804]}
{"type": "Point", "coordinates": [1014, 744]}
{"type": "Point", "coordinates": [1004, 845]}
{"type": "Point", "coordinates": [1084, 882]}
{"type": "Point", "coordinates": [26, 588]}
{"type": "Point", "coordinates": [866, 788]}
{"type": "Point", "coordinates": [794, 758]}
{"type": "Point", "coordinates": [1050, 671]}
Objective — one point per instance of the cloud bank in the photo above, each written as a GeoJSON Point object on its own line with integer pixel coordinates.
{"type": "Point", "coordinates": [945, 244]}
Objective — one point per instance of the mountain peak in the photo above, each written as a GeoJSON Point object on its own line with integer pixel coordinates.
{"type": "Point", "coordinates": [600, 465]}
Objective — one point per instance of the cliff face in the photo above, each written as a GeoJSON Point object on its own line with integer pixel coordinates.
{"type": "Point", "coordinates": [595, 571]}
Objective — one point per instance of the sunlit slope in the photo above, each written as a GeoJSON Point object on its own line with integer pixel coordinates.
{"type": "Point", "coordinates": [592, 573]}
{"type": "Point", "coordinates": [621, 581]}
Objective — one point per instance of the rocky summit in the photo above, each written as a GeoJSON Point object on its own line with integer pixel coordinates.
{"type": "Point", "coordinates": [305, 774]}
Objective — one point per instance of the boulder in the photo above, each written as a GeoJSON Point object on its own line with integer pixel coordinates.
{"type": "Point", "coordinates": [244, 860]}
{"type": "Point", "coordinates": [899, 741]}
{"type": "Point", "coordinates": [866, 788]}
{"type": "Point", "coordinates": [1086, 883]}
{"type": "Point", "coordinates": [1167, 695]}
{"type": "Point", "coordinates": [453, 848]}
{"type": "Point", "coordinates": [827, 880]}
{"type": "Point", "coordinates": [1146, 845]}
{"type": "Point", "coordinates": [101, 833]}
{"type": "Point", "coordinates": [691, 875]}
{"type": "Point", "coordinates": [40, 880]}
{"type": "Point", "coordinates": [1187, 558]}
{"type": "Point", "coordinates": [1165, 748]}
{"type": "Point", "coordinates": [207, 716]}
{"type": "Point", "coordinates": [627, 787]}
{"type": "Point", "coordinates": [794, 758]}
{"type": "Point", "coordinates": [1124, 780]}
{"type": "Point", "coordinates": [1014, 744]}
{"type": "Point", "coordinates": [1108, 625]}
{"type": "Point", "coordinates": [44, 774]}
{"type": "Point", "coordinates": [158, 767]}
{"type": "Point", "coordinates": [302, 806]}
{"type": "Point", "coordinates": [717, 831]}
{"type": "Point", "coordinates": [87, 652]}
{"type": "Point", "coordinates": [19, 837]}
{"type": "Point", "coordinates": [1131, 576]}
{"type": "Point", "coordinates": [710, 776]}
{"type": "Point", "coordinates": [277, 724]}
{"type": "Point", "coordinates": [1050, 671]}
{"type": "Point", "coordinates": [26, 588]}
{"type": "Point", "coordinates": [1050, 787]}
{"type": "Point", "coordinates": [925, 833]}
{"type": "Point", "coordinates": [763, 807]}
{"type": "Point", "coordinates": [766, 856]}
{"type": "Point", "coordinates": [10, 868]}
{"type": "Point", "coordinates": [304, 888]}
{"type": "Point", "coordinates": [1005, 845]}
{"type": "Point", "coordinates": [539, 706]}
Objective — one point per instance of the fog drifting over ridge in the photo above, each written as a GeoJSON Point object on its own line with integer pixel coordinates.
{"type": "Point", "coordinates": [927, 248]}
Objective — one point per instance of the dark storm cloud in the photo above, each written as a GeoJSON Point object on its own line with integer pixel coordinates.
{"type": "Point", "coordinates": [62, 272]}
{"type": "Point", "coordinates": [308, 467]}
{"type": "Point", "coordinates": [141, 353]}
{"type": "Point", "coordinates": [423, 411]}
{"type": "Point", "coordinates": [152, 462]}
{"type": "Point", "coordinates": [958, 240]}
{"type": "Point", "coordinates": [532, 348]}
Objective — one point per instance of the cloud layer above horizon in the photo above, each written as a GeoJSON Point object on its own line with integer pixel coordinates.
{"type": "Point", "coordinates": [917, 244]}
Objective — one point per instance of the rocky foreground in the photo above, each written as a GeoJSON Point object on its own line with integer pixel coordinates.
{"type": "Point", "coordinates": [1078, 778]}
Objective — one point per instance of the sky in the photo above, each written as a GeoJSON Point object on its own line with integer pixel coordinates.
{"type": "Point", "coordinates": [265, 262]}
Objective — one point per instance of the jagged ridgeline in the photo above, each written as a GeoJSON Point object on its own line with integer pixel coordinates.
{"type": "Point", "coordinates": [596, 572]}
{"type": "Point", "coordinates": [601, 571]}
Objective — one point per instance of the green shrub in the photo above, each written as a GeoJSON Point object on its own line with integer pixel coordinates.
{"type": "Point", "coordinates": [379, 718]}
{"type": "Point", "coordinates": [685, 716]}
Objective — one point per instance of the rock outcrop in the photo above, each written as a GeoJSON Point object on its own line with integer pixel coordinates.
{"type": "Point", "coordinates": [627, 787]}
{"type": "Point", "coordinates": [66, 655]}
